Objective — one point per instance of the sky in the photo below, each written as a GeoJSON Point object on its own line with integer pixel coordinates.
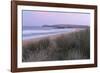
{"type": "Point", "coordinates": [40, 18]}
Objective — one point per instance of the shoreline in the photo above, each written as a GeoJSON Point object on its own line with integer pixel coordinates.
{"type": "Point", "coordinates": [50, 36]}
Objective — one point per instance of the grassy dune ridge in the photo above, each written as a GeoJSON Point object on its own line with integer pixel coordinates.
{"type": "Point", "coordinates": [71, 46]}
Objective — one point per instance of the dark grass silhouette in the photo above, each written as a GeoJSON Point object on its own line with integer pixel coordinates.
{"type": "Point", "coordinates": [68, 46]}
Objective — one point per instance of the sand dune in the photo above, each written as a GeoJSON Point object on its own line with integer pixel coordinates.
{"type": "Point", "coordinates": [63, 46]}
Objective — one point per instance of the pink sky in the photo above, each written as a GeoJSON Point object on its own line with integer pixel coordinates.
{"type": "Point", "coordinates": [39, 18]}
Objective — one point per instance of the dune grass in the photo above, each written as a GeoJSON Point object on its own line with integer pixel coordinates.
{"type": "Point", "coordinates": [71, 46]}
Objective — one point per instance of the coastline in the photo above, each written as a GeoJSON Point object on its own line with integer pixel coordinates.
{"type": "Point", "coordinates": [49, 36]}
